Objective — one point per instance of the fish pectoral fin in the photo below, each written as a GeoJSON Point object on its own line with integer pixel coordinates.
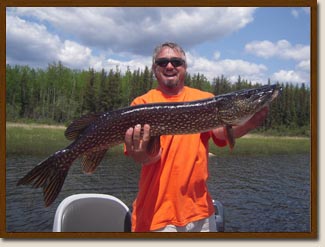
{"type": "Point", "coordinates": [91, 160]}
{"type": "Point", "coordinates": [79, 125]}
{"type": "Point", "coordinates": [229, 133]}
{"type": "Point", "coordinates": [153, 147]}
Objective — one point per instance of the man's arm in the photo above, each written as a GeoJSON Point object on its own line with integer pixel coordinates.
{"type": "Point", "coordinates": [240, 130]}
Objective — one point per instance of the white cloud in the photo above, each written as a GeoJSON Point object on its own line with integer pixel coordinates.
{"type": "Point", "coordinates": [295, 13]}
{"type": "Point", "coordinates": [216, 55]}
{"type": "Point", "coordinates": [125, 37]}
{"type": "Point", "coordinates": [304, 65]}
{"type": "Point", "coordinates": [133, 64]}
{"type": "Point", "coordinates": [29, 42]}
{"type": "Point", "coordinates": [45, 46]}
{"type": "Point", "coordinates": [290, 76]}
{"type": "Point", "coordinates": [74, 55]}
{"type": "Point", "coordinates": [230, 68]}
{"type": "Point", "coordinates": [137, 30]}
{"type": "Point", "coordinates": [118, 32]}
{"type": "Point", "coordinates": [281, 49]}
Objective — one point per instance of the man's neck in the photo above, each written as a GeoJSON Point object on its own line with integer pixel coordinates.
{"type": "Point", "coordinates": [171, 91]}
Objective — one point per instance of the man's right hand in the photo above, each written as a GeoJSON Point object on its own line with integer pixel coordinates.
{"type": "Point", "coordinates": [136, 144]}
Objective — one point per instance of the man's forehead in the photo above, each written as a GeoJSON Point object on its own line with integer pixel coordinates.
{"type": "Point", "coordinates": [169, 52]}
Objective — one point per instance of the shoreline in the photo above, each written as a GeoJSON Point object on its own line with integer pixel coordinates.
{"type": "Point", "coordinates": [33, 138]}
{"type": "Point", "coordinates": [34, 125]}
{"type": "Point", "coordinates": [278, 137]}
{"type": "Point", "coordinates": [48, 126]}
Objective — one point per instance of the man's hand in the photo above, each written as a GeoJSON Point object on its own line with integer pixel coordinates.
{"type": "Point", "coordinates": [240, 130]}
{"type": "Point", "coordinates": [136, 144]}
{"type": "Point", "coordinates": [257, 119]}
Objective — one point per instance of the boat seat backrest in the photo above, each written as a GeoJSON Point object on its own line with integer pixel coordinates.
{"type": "Point", "coordinates": [102, 213]}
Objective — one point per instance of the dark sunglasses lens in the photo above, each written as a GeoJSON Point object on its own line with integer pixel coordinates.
{"type": "Point", "coordinates": [163, 62]}
{"type": "Point", "coordinates": [176, 62]}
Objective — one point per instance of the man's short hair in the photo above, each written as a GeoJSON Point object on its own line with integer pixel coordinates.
{"type": "Point", "coordinates": [171, 45]}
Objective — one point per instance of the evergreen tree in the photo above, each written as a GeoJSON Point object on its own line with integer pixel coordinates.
{"type": "Point", "coordinates": [113, 93]}
{"type": "Point", "coordinates": [60, 94]}
{"type": "Point", "coordinates": [103, 102]}
{"type": "Point", "coordinates": [89, 94]}
{"type": "Point", "coordinates": [24, 97]}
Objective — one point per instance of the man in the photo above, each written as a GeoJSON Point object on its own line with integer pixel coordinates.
{"type": "Point", "coordinates": [173, 194]}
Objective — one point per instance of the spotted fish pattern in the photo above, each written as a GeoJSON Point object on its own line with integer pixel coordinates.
{"type": "Point", "coordinates": [93, 134]}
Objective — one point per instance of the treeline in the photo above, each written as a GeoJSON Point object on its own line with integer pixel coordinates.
{"type": "Point", "coordinates": [59, 94]}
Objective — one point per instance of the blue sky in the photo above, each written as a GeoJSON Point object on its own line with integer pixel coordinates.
{"type": "Point", "coordinates": [255, 43]}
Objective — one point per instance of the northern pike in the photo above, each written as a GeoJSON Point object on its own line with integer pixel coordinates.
{"type": "Point", "coordinates": [94, 134]}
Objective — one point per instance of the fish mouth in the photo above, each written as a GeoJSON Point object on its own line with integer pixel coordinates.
{"type": "Point", "coordinates": [262, 96]}
{"type": "Point", "coordinates": [246, 103]}
{"type": "Point", "coordinates": [267, 95]}
{"type": "Point", "coordinates": [276, 93]}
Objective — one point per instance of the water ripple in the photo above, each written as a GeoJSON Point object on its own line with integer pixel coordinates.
{"type": "Point", "coordinates": [264, 194]}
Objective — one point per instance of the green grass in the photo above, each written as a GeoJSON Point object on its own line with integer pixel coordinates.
{"type": "Point", "coordinates": [33, 140]}
{"type": "Point", "coordinates": [263, 146]}
{"type": "Point", "coordinates": [44, 140]}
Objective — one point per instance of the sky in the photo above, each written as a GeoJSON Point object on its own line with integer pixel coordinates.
{"type": "Point", "coordinates": [255, 43]}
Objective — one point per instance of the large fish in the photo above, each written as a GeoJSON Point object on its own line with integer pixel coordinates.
{"type": "Point", "coordinates": [94, 134]}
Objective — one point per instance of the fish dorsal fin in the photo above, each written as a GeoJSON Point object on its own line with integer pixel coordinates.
{"type": "Point", "coordinates": [91, 160]}
{"type": "Point", "coordinates": [79, 125]}
{"type": "Point", "coordinates": [153, 147]}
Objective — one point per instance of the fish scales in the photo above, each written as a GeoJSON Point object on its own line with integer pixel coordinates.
{"type": "Point", "coordinates": [163, 119]}
{"type": "Point", "coordinates": [172, 118]}
{"type": "Point", "coordinates": [93, 134]}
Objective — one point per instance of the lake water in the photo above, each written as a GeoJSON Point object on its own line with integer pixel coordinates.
{"type": "Point", "coordinates": [259, 194]}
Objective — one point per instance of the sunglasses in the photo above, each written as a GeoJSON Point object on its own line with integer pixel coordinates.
{"type": "Point", "coordinates": [175, 61]}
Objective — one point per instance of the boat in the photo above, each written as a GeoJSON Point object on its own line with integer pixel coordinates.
{"type": "Point", "coordinates": [103, 213]}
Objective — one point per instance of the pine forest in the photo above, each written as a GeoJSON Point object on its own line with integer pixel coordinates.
{"type": "Point", "coordinates": [58, 94]}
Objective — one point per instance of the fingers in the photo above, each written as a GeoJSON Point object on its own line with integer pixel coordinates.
{"type": "Point", "coordinates": [136, 137]}
{"type": "Point", "coordinates": [129, 140]}
{"type": "Point", "coordinates": [135, 140]}
{"type": "Point", "coordinates": [146, 136]}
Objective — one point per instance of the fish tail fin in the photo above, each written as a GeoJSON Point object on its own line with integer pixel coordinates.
{"type": "Point", "coordinates": [50, 175]}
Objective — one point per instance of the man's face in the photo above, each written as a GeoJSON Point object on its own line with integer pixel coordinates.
{"type": "Point", "coordinates": [170, 78]}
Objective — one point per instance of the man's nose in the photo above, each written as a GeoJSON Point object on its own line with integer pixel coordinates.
{"type": "Point", "coordinates": [170, 66]}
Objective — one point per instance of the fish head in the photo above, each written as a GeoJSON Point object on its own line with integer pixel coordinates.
{"type": "Point", "coordinates": [238, 107]}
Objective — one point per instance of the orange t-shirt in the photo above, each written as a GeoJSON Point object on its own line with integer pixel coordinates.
{"type": "Point", "coordinates": [173, 190]}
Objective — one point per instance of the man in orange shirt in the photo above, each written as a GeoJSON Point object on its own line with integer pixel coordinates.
{"type": "Point", "coordinates": [173, 194]}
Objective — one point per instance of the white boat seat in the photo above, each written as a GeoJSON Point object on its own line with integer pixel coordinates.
{"type": "Point", "coordinates": [92, 213]}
